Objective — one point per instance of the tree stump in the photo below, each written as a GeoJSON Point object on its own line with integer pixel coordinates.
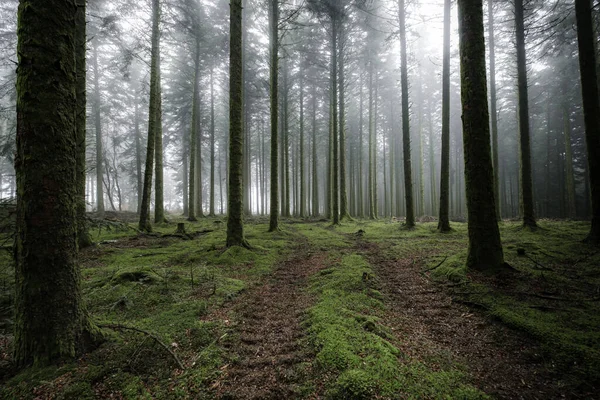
{"type": "Point", "coordinates": [180, 228]}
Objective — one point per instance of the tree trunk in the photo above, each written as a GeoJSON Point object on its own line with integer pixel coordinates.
{"type": "Point", "coordinates": [159, 206]}
{"type": "Point", "coordinates": [485, 248]}
{"type": "Point", "coordinates": [524, 133]}
{"type": "Point", "coordinates": [154, 109]}
{"type": "Point", "coordinates": [98, 129]}
{"type": "Point", "coordinates": [444, 220]}
{"type": "Point", "coordinates": [194, 136]}
{"type": "Point", "coordinates": [302, 177]}
{"type": "Point", "coordinates": [408, 186]}
{"type": "Point", "coordinates": [315, 174]}
{"type": "Point", "coordinates": [342, 129]}
{"type": "Point", "coordinates": [274, 91]}
{"type": "Point", "coordinates": [51, 324]}
{"type": "Point", "coordinates": [493, 106]}
{"type": "Point", "coordinates": [83, 236]}
{"type": "Point", "coordinates": [591, 107]}
{"type": "Point", "coordinates": [335, 190]}
{"type": "Point", "coordinates": [211, 203]}
{"type": "Point", "coordinates": [138, 155]}
{"type": "Point", "coordinates": [235, 225]}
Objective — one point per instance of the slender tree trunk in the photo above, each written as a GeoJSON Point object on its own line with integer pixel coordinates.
{"type": "Point", "coordinates": [334, 116]}
{"type": "Point", "coordinates": [408, 186]}
{"type": "Point", "coordinates": [211, 206]}
{"type": "Point", "coordinates": [286, 138]}
{"type": "Point", "coordinates": [315, 173]}
{"type": "Point", "coordinates": [493, 106]}
{"type": "Point", "coordinates": [51, 324]}
{"type": "Point", "coordinates": [138, 155]}
{"type": "Point", "coordinates": [485, 248]}
{"type": "Point", "coordinates": [98, 129]}
{"type": "Point", "coordinates": [432, 167]}
{"type": "Point", "coordinates": [274, 91]}
{"type": "Point", "coordinates": [361, 195]}
{"type": "Point", "coordinates": [570, 181]}
{"type": "Point", "coordinates": [444, 220]}
{"type": "Point", "coordinates": [194, 136]}
{"type": "Point", "coordinates": [524, 132]}
{"type": "Point", "coordinates": [302, 177]}
{"type": "Point", "coordinates": [591, 107]}
{"type": "Point", "coordinates": [342, 129]}
{"type": "Point", "coordinates": [83, 236]}
{"type": "Point", "coordinates": [159, 203]}
{"type": "Point", "coordinates": [372, 149]}
{"type": "Point", "coordinates": [154, 109]}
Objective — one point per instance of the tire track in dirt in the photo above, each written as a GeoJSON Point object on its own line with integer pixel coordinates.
{"type": "Point", "coordinates": [268, 321]}
{"type": "Point", "coordinates": [502, 362]}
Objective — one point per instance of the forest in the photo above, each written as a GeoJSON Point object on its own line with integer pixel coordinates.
{"type": "Point", "coordinates": [304, 199]}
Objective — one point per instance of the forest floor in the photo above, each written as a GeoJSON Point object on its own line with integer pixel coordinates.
{"type": "Point", "coordinates": [366, 309]}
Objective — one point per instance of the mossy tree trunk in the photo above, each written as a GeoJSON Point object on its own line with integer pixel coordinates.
{"type": "Point", "coordinates": [50, 321]}
{"type": "Point", "coordinates": [335, 189]}
{"type": "Point", "coordinates": [444, 220]}
{"type": "Point", "coordinates": [361, 199]}
{"type": "Point", "coordinates": [408, 186]}
{"type": "Point", "coordinates": [344, 214]}
{"type": "Point", "coordinates": [154, 109]}
{"type": "Point", "coordinates": [303, 196]}
{"type": "Point", "coordinates": [591, 107]}
{"type": "Point", "coordinates": [83, 237]}
{"type": "Point", "coordinates": [194, 136]}
{"type": "Point", "coordinates": [372, 149]}
{"type": "Point", "coordinates": [485, 248]}
{"type": "Point", "coordinates": [524, 131]}
{"type": "Point", "coordinates": [98, 131]}
{"type": "Point", "coordinates": [315, 174]}
{"type": "Point", "coordinates": [493, 105]}
{"type": "Point", "coordinates": [138, 155]}
{"type": "Point", "coordinates": [211, 203]}
{"type": "Point", "coordinates": [159, 203]}
{"type": "Point", "coordinates": [274, 91]}
{"type": "Point", "coordinates": [235, 207]}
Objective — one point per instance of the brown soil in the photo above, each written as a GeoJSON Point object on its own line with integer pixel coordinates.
{"type": "Point", "coordinates": [271, 361]}
{"type": "Point", "coordinates": [429, 325]}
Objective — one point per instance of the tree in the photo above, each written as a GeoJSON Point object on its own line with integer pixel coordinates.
{"type": "Point", "coordinates": [235, 224]}
{"type": "Point", "coordinates": [444, 221]}
{"type": "Point", "coordinates": [273, 92]}
{"type": "Point", "coordinates": [154, 110]}
{"type": "Point", "coordinates": [524, 134]}
{"type": "Point", "coordinates": [51, 323]}
{"type": "Point", "coordinates": [591, 107]}
{"type": "Point", "coordinates": [83, 236]}
{"type": "Point", "coordinates": [493, 105]}
{"type": "Point", "coordinates": [485, 249]}
{"type": "Point", "coordinates": [408, 186]}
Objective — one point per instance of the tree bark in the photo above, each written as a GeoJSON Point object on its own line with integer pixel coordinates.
{"type": "Point", "coordinates": [493, 106]}
{"type": "Point", "coordinates": [485, 249]}
{"type": "Point", "coordinates": [194, 136]}
{"type": "Point", "coordinates": [444, 219]}
{"type": "Point", "coordinates": [591, 107]}
{"type": "Point", "coordinates": [83, 236]}
{"type": "Point", "coordinates": [524, 132]}
{"type": "Point", "coordinates": [144, 224]}
{"type": "Point", "coordinates": [51, 324]}
{"type": "Point", "coordinates": [235, 225]}
{"type": "Point", "coordinates": [274, 91]}
{"type": "Point", "coordinates": [408, 186]}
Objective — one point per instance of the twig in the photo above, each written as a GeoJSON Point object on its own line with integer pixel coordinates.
{"type": "Point", "coordinates": [538, 264]}
{"type": "Point", "coordinates": [119, 327]}
{"type": "Point", "coordinates": [437, 266]}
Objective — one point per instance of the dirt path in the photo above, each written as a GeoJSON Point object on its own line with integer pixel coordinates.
{"type": "Point", "coordinates": [503, 363]}
{"type": "Point", "coordinates": [268, 321]}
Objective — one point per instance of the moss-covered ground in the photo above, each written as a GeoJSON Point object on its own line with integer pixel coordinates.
{"type": "Point", "coordinates": [175, 289]}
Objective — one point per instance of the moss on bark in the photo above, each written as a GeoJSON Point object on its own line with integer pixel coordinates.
{"type": "Point", "coordinates": [485, 250]}
{"type": "Point", "coordinates": [50, 320]}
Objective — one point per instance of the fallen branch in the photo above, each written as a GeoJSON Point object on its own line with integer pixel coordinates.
{"type": "Point", "coordinates": [437, 266]}
{"type": "Point", "coordinates": [119, 327]}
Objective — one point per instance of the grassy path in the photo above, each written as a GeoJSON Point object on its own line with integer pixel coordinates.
{"type": "Point", "coordinates": [269, 362]}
